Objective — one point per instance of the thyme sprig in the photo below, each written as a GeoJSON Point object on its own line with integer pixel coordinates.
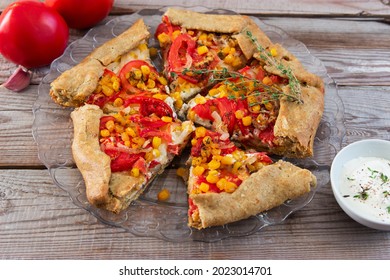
{"type": "Point", "coordinates": [265, 55]}
{"type": "Point", "coordinates": [223, 75]}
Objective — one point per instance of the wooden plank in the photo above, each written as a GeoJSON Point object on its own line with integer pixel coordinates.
{"type": "Point", "coordinates": [38, 220]}
{"type": "Point", "coordinates": [280, 7]}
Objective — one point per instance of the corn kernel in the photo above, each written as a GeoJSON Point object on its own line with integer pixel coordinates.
{"type": "Point", "coordinates": [193, 142]}
{"type": "Point", "coordinates": [207, 140]}
{"type": "Point", "coordinates": [119, 128]}
{"type": "Point", "coordinates": [156, 142]}
{"type": "Point", "coordinates": [213, 91]}
{"type": "Point", "coordinates": [229, 59]}
{"type": "Point", "coordinates": [135, 74]}
{"type": "Point", "coordinates": [200, 100]}
{"type": "Point", "coordinates": [178, 103]}
{"type": "Point", "coordinates": [163, 195]}
{"type": "Point", "coordinates": [247, 121]}
{"type": "Point", "coordinates": [118, 102]}
{"type": "Point", "coordinates": [125, 136]}
{"type": "Point", "coordinates": [131, 132]}
{"type": "Point", "coordinates": [269, 106]}
{"type": "Point", "coordinates": [166, 119]}
{"type": "Point", "coordinates": [163, 38]}
{"type": "Point", "coordinates": [227, 160]}
{"type": "Point", "coordinates": [110, 125]}
{"type": "Point", "coordinates": [149, 156]}
{"type": "Point", "coordinates": [202, 50]}
{"type": "Point", "coordinates": [226, 50]}
{"type": "Point", "coordinates": [198, 170]}
{"type": "Point", "coordinates": [256, 108]}
{"type": "Point", "coordinates": [134, 172]}
{"type": "Point", "coordinates": [107, 90]}
{"type": "Point", "coordinates": [232, 50]}
{"type": "Point", "coordinates": [182, 172]}
{"type": "Point", "coordinates": [214, 164]}
{"type": "Point", "coordinates": [230, 187]}
{"type": "Point", "coordinates": [212, 177]}
{"type": "Point", "coordinates": [236, 166]}
{"type": "Point", "coordinates": [162, 80]}
{"type": "Point", "coordinates": [150, 84]}
{"type": "Point", "coordinates": [175, 34]}
{"type": "Point", "coordinates": [104, 133]}
{"type": "Point", "coordinates": [274, 52]}
{"type": "Point", "coordinates": [196, 161]}
{"type": "Point", "coordinates": [127, 143]}
{"type": "Point", "coordinates": [221, 183]}
{"type": "Point", "coordinates": [203, 37]}
{"type": "Point", "coordinates": [200, 132]}
{"type": "Point", "coordinates": [267, 81]}
{"type": "Point", "coordinates": [239, 114]}
{"type": "Point", "coordinates": [204, 187]}
{"type": "Point", "coordinates": [142, 47]}
{"type": "Point", "coordinates": [116, 85]}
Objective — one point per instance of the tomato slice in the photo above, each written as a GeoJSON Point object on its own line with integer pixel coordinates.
{"type": "Point", "coordinates": [150, 105]}
{"type": "Point", "coordinates": [166, 27]}
{"type": "Point", "coordinates": [181, 53]}
{"type": "Point", "coordinates": [134, 64]}
{"type": "Point", "coordinates": [124, 161]}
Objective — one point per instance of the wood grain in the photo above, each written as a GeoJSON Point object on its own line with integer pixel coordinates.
{"type": "Point", "coordinates": [39, 221]}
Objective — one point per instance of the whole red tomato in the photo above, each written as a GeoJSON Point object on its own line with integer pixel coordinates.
{"type": "Point", "coordinates": [32, 34]}
{"type": "Point", "coordinates": [82, 14]}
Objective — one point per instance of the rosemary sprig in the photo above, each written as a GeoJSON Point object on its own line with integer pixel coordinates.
{"type": "Point", "coordinates": [293, 82]}
{"type": "Point", "coordinates": [222, 75]}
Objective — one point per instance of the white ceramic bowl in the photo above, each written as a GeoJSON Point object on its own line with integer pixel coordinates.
{"type": "Point", "coordinates": [363, 148]}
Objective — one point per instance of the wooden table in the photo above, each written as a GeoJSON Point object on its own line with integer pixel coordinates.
{"type": "Point", "coordinates": [352, 38]}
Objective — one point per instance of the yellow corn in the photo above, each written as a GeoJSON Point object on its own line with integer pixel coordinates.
{"type": "Point", "coordinates": [198, 170]}
{"type": "Point", "coordinates": [203, 37]}
{"type": "Point", "coordinates": [149, 156]}
{"type": "Point", "coordinates": [236, 166]}
{"type": "Point", "coordinates": [207, 140]}
{"type": "Point", "coordinates": [247, 121]}
{"type": "Point", "coordinates": [212, 177]}
{"type": "Point", "coordinates": [200, 132]}
{"type": "Point", "coordinates": [239, 114]}
{"type": "Point", "coordinates": [145, 70]}
{"type": "Point", "coordinates": [200, 100]}
{"type": "Point", "coordinates": [107, 90]}
{"type": "Point", "coordinates": [182, 172]}
{"type": "Point", "coordinates": [267, 81]}
{"type": "Point", "coordinates": [110, 125]}
{"type": "Point", "coordinates": [131, 132]}
{"type": "Point", "coordinates": [162, 80]}
{"type": "Point", "coordinates": [156, 142]}
{"type": "Point", "coordinates": [136, 74]}
{"type": "Point", "coordinates": [118, 102]}
{"type": "Point", "coordinates": [227, 160]}
{"type": "Point", "coordinates": [119, 128]}
{"type": "Point", "coordinates": [166, 119]}
{"type": "Point", "coordinates": [134, 172]}
{"type": "Point", "coordinates": [274, 52]}
{"type": "Point", "coordinates": [230, 187]}
{"type": "Point", "coordinates": [196, 161]}
{"type": "Point", "coordinates": [104, 133]}
{"type": "Point", "coordinates": [221, 183]}
{"type": "Point", "coordinates": [204, 187]}
{"type": "Point", "coordinates": [125, 136]}
{"type": "Point", "coordinates": [232, 50]}
{"type": "Point", "coordinates": [229, 59]}
{"type": "Point", "coordinates": [214, 164]}
{"type": "Point", "coordinates": [213, 91]}
{"type": "Point", "coordinates": [142, 47]}
{"type": "Point", "coordinates": [127, 143]}
{"type": "Point", "coordinates": [269, 106]}
{"type": "Point", "coordinates": [116, 85]}
{"type": "Point", "coordinates": [256, 108]}
{"type": "Point", "coordinates": [175, 34]}
{"type": "Point", "coordinates": [150, 84]}
{"type": "Point", "coordinates": [163, 38]}
{"type": "Point", "coordinates": [163, 195]}
{"type": "Point", "coordinates": [202, 50]}
{"type": "Point", "coordinates": [226, 50]}
{"type": "Point", "coordinates": [156, 153]}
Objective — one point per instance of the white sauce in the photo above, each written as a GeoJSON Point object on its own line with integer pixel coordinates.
{"type": "Point", "coordinates": [365, 184]}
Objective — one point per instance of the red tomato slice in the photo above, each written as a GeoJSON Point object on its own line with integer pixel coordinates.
{"type": "Point", "coordinates": [134, 64]}
{"type": "Point", "coordinates": [124, 161]}
{"type": "Point", "coordinates": [181, 52]}
{"type": "Point", "coordinates": [150, 105]}
{"type": "Point", "coordinates": [166, 27]}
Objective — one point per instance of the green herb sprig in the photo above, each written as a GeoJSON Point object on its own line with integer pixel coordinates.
{"type": "Point", "coordinates": [265, 55]}
{"type": "Point", "coordinates": [223, 75]}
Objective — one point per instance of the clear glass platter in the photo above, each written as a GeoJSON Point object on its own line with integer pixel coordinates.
{"type": "Point", "coordinates": [53, 132]}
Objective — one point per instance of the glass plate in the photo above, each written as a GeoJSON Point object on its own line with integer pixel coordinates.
{"type": "Point", "coordinates": [53, 132]}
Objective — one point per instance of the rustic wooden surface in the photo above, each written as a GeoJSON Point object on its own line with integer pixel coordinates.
{"type": "Point", "coordinates": [352, 38]}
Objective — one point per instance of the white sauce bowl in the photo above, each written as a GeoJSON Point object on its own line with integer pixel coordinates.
{"type": "Point", "coordinates": [364, 148]}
